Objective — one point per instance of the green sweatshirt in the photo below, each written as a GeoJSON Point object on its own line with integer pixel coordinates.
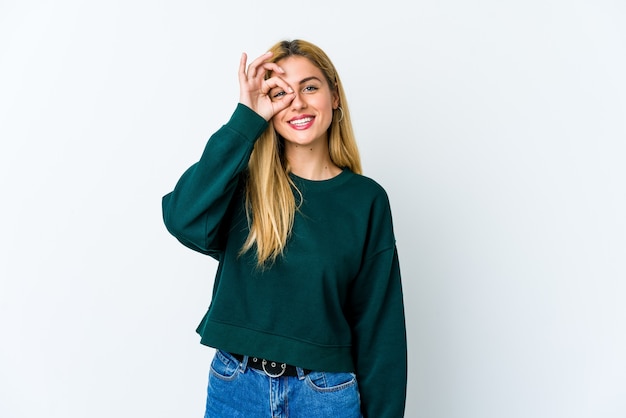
{"type": "Point", "coordinates": [332, 302]}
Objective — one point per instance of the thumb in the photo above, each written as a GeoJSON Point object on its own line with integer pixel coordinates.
{"type": "Point", "coordinates": [284, 102]}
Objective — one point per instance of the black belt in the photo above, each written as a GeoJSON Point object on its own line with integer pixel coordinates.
{"type": "Point", "coordinates": [271, 368]}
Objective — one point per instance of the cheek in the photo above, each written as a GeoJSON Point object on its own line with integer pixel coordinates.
{"type": "Point", "coordinates": [278, 125]}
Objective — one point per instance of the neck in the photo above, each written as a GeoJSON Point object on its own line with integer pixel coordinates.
{"type": "Point", "coordinates": [311, 162]}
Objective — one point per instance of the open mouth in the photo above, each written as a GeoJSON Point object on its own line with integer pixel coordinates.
{"type": "Point", "coordinates": [302, 122]}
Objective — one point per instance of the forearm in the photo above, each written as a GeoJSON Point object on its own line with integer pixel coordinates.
{"type": "Point", "coordinates": [193, 211]}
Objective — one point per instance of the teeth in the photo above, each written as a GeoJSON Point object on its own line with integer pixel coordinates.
{"type": "Point", "coordinates": [302, 121]}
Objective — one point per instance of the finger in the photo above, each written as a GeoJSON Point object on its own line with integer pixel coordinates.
{"type": "Point", "coordinates": [272, 66]}
{"type": "Point", "coordinates": [273, 82]}
{"type": "Point", "coordinates": [283, 102]}
{"type": "Point", "coordinates": [265, 87]}
{"type": "Point", "coordinates": [242, 66]}
{"type": "Point", "coordinates": [252, 68]}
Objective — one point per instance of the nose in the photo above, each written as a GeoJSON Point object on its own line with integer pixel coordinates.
{"type": "Point", "coordinates": [298, 101]}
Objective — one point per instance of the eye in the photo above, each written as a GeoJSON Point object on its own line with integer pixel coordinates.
{"type": "Point", "coordinates": [277, 94]}
{"type": "Point", "coordinates": [310, 89]}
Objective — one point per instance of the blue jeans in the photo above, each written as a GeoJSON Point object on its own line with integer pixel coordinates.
{"type": "Point", "coordinates": [238, 391]}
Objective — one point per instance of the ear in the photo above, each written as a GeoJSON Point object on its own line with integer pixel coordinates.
{"type": "Point", "coordinates": [335, 98]}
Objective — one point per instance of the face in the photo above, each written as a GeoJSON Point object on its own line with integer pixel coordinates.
{"type": "Point", "coordinates": [306, 120]}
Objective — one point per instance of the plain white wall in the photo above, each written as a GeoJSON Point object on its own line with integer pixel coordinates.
{"type": "Point", "coordinates": [497, 127]}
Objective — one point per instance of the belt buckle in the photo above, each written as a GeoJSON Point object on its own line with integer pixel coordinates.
{"type": "Point", "coordinates": [273, 365]}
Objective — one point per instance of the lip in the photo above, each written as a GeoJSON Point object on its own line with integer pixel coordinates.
{"type": "Point", "coordinates": [301, 122]}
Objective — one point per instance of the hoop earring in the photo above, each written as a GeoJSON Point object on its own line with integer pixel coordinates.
{"type": "Point", "coordinates": [340, 110]}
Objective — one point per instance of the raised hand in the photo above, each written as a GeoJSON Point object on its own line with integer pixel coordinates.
{"type": "Point", "coordinates": [254, 89]}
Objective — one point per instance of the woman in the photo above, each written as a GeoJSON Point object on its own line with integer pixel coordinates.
{"type": "Point", "coordinates": [307, 314]}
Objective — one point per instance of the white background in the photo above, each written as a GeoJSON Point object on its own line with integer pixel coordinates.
{"type": "Point", "coordinates": [498, 129]}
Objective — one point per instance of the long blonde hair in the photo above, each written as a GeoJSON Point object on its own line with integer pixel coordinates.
{"type": "Point", "coordinates": [270, 200]}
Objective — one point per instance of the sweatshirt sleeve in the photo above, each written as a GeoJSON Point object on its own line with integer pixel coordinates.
{"type": "Point", "coordinates": [378, 323]}
{"type": "Point", "coordinates": [194, 210]}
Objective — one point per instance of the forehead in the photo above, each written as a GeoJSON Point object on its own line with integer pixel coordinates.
{"type": "Point", "coordinates": [298, 68]}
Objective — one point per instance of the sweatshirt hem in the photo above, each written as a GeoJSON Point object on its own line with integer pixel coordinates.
{"type": "Point", "coordinates": [250, 342]}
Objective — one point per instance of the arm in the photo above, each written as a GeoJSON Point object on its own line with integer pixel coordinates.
{"type": "Point", "coordinates": [378, 326]}
{"type": "Point", "coordinates": [194, 210]}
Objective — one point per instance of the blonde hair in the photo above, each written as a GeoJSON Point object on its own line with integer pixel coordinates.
{"type": "Point", "coordinates": [270, 200]}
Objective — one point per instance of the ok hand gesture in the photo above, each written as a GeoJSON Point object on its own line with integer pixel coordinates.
{"type": "Point", "coordinates": [254, 90]}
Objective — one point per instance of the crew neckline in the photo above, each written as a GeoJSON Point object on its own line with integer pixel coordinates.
{"type": "Point", "coordinates": [322, 184]}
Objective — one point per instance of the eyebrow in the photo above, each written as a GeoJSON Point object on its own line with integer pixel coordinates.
{"type": "Point", "coordinates": [304, 80]}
